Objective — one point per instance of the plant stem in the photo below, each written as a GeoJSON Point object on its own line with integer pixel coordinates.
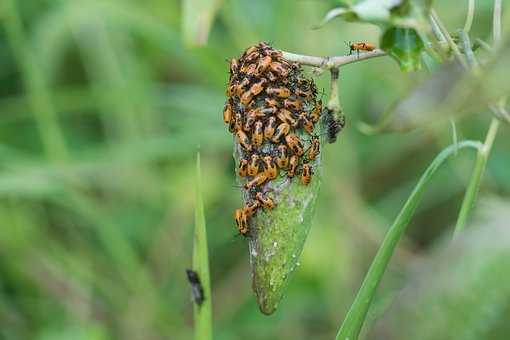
{"type": "Point", "coordinates": [353, 322]}
{"type": "Point", "coordinates": [470, 15]}
{"type": "Point", "coordinates": [37, 89]}
{"type": "Point", "coordinates": [496, 22]}
{"type": "Point", "coordinates": [448, 37]}
{"type": "Point", "coordinates": [202, 313]}
{"type": "Point", "coordinates": [331, 62]}
{"type": "Point", "coordinates": [476, 177]}
{"type": "Point", "coordinates": [334, 99]}
{"type": "Point", "coordinates": [483, 153]}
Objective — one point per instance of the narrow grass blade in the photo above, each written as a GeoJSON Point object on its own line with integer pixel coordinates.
{"type": "Point", "coordinates": [197, 19]}
{"type": "Point", "coordinates": [353, 322]}
{"type": "Point", "coordinates": [202, 313]}
{"type": "Point", "coordinates": [38, 93]}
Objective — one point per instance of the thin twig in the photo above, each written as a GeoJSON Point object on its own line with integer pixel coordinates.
{"type": "Point", "coordinates": [496, 22]}
{"type": "Point", "coordinates": [333, 61]}
{"type": "Point", "coordinates": [435, 19]}
{"type": "Point", "coordinates": [484, 45]}
{"type": "Point", "coordinates": [476, 177]}
{"type": "Point", "coordinates": [334, 100]}
{"type": "Point", "coordinates": [470, 15]}
{"type": "Point", "coordinates": [468, 51]}
{"type": "Point", "coordinates": [500, 112]}
{"type": "Point", "coordinates": [483, 154]}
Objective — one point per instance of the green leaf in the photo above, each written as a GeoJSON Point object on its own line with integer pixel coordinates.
{"type": "Point", "coordinates": [343, 12]}
{"type": "Point", "coordinates": [202, 313]}
{"type": "Point", "coordinates": [405, 46]}
{"type": "Point", "coordinates": [355, 318]}
{"type": "Point", "coordinates": [376, 10]}
{"type": "Point", "coordinates": [395, 13]}
{"type": "Point", "coordinates": [197, 19]}
{"type": "Point", "coordinates": [449, 89]}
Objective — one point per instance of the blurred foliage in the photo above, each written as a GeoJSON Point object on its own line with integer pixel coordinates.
{"type": "Point", "coordinates": [103, 107]}
{"type": "Point", "coordinates": [460, 291]}
{"type": "Point", "coordinates": [404, 23]}
{"type": "Point", "coordinates": [405, 45]}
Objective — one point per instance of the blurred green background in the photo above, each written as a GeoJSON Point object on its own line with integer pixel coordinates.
{"type": "Point", "coordinates": [102, 110]}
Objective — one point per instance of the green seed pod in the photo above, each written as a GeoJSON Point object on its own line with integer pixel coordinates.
{"type": "Point", "coordinates": [278, 202]}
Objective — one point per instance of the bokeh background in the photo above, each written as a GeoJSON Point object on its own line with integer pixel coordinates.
{"type": "Point", "coordinates": [103, 108]}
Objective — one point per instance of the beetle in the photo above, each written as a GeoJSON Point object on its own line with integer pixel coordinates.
{"type": "Point", "coordinates": [266, 201]}
{"type": "Point", "coordinates": [360, 46]}
{"type": "Point", "coordinates": [282, 130]}
{"type": "Point", "coordinates": [241, 87]}
{"type": "Point", "coordinates": [253, 165]}
{"type": "Point", "coordinates": [292, 104]}
{"type": "Point", "coordinates": [263, 64]}
{"type": "Point", "coordinates": [251, 208]}
{"type": "Point", "coordinates": [252, 56]}
{"type": "Point", "coordinates": [286, 117]}
{"type": "Point", "coordinates": [306, 174]}
{"type": "Point", "coordinates": [257, 137]}
{"type": "Point", "coordinates": [279, 69]}
{"type": "Point", "coordinates": [242, 139]}
{"type": "Point", "coordinates": [271, 169]}
{"type": "Point", "coordinates": [227, 113]}
{"type": "Point", "coordinates": [315, 114]}
{"type": "Point", "coordinates": [270, 128]}
{"type": "Point", "coordinates": [250, 119]}
{"type": "Point", "coordinates": [307, 94]}
{"type": "Point", "coordinates": [249, 69]}
{"type": "Point", "coordinates": [314, 149]}
{"type": "Point", "coordinates": [241, 221]}
{"type": "Point", "coordinates": [282, 158]}
{"type": "Point", "coordinates": [307, 123]}
{"type": "Point", "coordinates": [234, 66]}
{"type": "Point", "coordinates": [281, 92]}
{"type": "Point", "coordinates": [243, 167]}
{"type": "Point", "coordinates": [246, 98]}
{"type": "Point", "coordinates": [271, 102]}
{"type": "Point", "coordinates": [249, 50]}
{"type": "Point", "coordinates": [259, 179]}
{"type": "Point", "coordinates": [294, 144]}
{"type": "Point", "coordinates": [293, 164]}
{"type": "Point", "coordinates": [231, 90]}
{"type": "Point", "coordinates": [256, 88]}
{"type": "Point", "coordinates": [270, 75]}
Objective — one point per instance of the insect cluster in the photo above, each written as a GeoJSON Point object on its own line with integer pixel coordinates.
{"type": "Point", "coordinates": [272, 110]}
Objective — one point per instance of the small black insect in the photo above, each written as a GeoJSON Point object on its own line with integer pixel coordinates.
{"type": "Point", "coordinates": [334, 123]}
{"type": "Point", "coordinates": [197, 292]}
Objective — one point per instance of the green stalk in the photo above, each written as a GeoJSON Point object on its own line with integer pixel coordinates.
{"type": "Point", "coordinates": [476, 178]}
{"type": "Point", "coordinates": [448, 37]}
{"type": "Point", "coordinates": [483, 153]}
{"type": "Point", "coordinates": [469, 16]}
{"type": "Point", "coordinates": [202, 313]}
{"type": "Point", "coordinates": [34, 80]}
{"type": "Point", "coordinates": [353, 322]}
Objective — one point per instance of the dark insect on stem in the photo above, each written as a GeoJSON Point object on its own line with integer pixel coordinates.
{"type": "Point", "coordinates": [334, 119]}
{"type": "Point", "coordinates": [333, 123]}
{"type": "Point", "coordinates": [197, 292]}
